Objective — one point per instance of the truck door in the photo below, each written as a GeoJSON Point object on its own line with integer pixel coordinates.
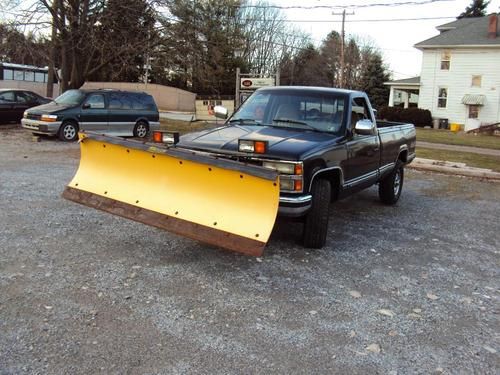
{"type": "Point", "coordinates": [94, 114]}
{"type": "Point", "coordinates": [363, 151]}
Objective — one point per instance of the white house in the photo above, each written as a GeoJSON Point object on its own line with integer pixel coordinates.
{"type": "Point", "coordinates": [404, 92]}
{"type": "Point", "coordinates": [460, 76]}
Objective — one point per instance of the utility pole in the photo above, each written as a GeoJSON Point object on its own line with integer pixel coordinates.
{"type": "Point", "coordinates": [342, 47]}
{"type": "Point", "coordinates": [53, 52]}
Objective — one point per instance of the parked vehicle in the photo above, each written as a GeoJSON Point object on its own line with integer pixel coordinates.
{"type": "Point", "coordinates": [287, 150]}
{"type": "Point", "coordinates": [110, 112]}
{"type": "Point", "coordinates": [14, 102]}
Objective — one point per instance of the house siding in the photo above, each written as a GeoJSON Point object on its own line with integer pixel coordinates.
{"type": "Point", "coordinates": [458, 80]}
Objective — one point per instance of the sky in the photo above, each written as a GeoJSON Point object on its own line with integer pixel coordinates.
{"type": "Point", "coordinates": [395, 39]}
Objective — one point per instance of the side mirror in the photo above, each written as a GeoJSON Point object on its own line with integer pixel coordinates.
{"type": "Point", "coordinates": [375, 112]}
{"type": "Point", "coordinates": [364, 127]}
{"type": "Point", "coordinates": [86, 106]}
{"type": "Point", "coordinates": [220, 112]}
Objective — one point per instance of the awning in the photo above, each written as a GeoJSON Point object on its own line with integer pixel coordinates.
{"type": "Point", "coordinates": [470, 99]}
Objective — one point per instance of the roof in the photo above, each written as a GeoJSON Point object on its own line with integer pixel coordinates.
{"type": "Point", "coordinates": [413, 81]}
{"type": "Point", "coordinates": [16, 90]}
{"type": "Point", "coordinates": [24, 67]}
{"type": "Point", "coordinates": [465, 32]}
{"type": "Point", "coordinates": [310, 89]}
{"type": "Point", "coordinates": [461, 22]}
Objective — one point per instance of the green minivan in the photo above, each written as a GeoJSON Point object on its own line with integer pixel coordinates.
{"type": "Point", "coordinates": [106, 111]}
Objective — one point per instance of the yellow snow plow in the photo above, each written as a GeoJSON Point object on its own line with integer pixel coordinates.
{"type": "Point", "coordinates": [221, 202]}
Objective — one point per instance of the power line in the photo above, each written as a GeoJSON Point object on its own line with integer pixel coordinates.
{"type": "Point", "coordinates": [351, 21]}
{"type": "Point", "coordinates": [357, 6]}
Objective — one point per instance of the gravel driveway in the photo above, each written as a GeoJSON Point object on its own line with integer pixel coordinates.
{"type": "Point", "coordinates": [398, 290]}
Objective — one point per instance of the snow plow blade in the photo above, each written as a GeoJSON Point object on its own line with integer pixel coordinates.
{"type": "Point", "coordinates": [217, 201]}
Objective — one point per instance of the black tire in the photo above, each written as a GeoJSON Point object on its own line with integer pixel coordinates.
{"type": "Point", "coordinates": [141, 129]}
{"type": "Point", "coordinates": [390, 188]}
{"type": "Point", "coordinates": [68, 131]}
{"type": "Point", "coordinates": [316, 221]}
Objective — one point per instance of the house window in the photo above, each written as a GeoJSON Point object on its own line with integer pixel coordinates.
{"type": "Point", "coordinates": [445, 60]}
{"type": "Point", "coordinates": [473, 111]}
{"type": "Point", "coordinates": [476, 81]}
{"type": "Point", "coordinates": [18, 75]}
{"type": "Point", "coordinates": [442, 96]}
{"type": "Point", "coordinates": [29, 76]}
{"type": "Point", "coordinates": [39, 77]}
{"type": "Point", "coordinates": [8, 74]}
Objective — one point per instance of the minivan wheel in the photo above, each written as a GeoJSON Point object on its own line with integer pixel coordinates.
{"type": "Point", "coordinates": [141, 129]}
{"type": "Point", "coordinates": [68, 131]}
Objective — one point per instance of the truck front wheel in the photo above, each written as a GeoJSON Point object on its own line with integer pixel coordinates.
{"type": "Point", "coordinates": [389, 189]}
{"type": "Point", "coordinates": [316, 222]}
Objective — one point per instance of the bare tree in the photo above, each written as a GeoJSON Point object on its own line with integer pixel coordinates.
{"type": "Point", "coordinates": [268, 39]}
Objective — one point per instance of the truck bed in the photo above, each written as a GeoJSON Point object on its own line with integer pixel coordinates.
{"type": "Point", "coordinates": [386, 124]}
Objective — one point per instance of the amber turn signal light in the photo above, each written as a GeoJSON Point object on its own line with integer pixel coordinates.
{"type": "Point", "coordinates": [260, 147]}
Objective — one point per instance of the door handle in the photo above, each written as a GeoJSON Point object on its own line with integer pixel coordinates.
{"type": "Point", "coordinates": [376, 149]}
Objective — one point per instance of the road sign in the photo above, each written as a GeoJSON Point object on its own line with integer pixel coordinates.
{"type": "Point", "coordinates": [255, 83]}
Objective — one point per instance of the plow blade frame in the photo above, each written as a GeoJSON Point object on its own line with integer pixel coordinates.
{"type": "Point", "coordinates": [221, 202]}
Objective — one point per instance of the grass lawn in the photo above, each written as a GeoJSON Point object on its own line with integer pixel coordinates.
{"type": "Point", "coordinates": [184, 127]}
{"type": "Point", "coordinates": [461, 139]}
{"type": "Point", "coordinates": [472, 160]}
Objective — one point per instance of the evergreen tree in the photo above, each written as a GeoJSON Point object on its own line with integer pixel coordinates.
{"type": "Point", "coordinates": [476, 9]}
{"type": "Point", "coordinates": [305, 69]}
{"type": "Point", "coordinates": [372, 79]}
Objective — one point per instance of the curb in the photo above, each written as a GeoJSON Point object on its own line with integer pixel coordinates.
{"type": "Point", "coordinates": [459, 169]}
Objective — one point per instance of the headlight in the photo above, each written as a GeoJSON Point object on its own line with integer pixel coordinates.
{"type": "Point", "coordinates": [285, 168]}
{"type": "Point", "coordinates": [49, 118]}
{"type": "Point", "coordinates": [171, 138]}
{"type": "Point", "coordinates": [291, 178]}
{"type": "Point", "coordinates": [257, 147]}
{"type": "Point", "coordinates": [286, 184]}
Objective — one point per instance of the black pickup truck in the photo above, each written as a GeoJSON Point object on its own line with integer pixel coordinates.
{"type": "Point", "coordinates": [324, 142]}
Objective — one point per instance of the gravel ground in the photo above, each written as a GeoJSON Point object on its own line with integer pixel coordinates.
{"type": "Point", "coordinates": [398, 290]}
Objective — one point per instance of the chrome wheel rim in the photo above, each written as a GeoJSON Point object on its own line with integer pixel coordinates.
{"type": "Point", "coordinates": [397, 182]}
{"type": "Point", "coordinates": [69, 132]}
{"type": "Point", "coordinates": [141, 130]}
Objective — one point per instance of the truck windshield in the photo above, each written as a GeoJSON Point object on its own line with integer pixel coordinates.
{"type": "Point", "coordinates": [70, 97]}
{"type": "Point", "coordinates": [294, 109]}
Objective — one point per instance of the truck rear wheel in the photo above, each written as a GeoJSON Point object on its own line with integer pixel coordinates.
{"type": "Point", "coordinates": [389, 189]}
{"type": "Point", "coordinates": [316, 222]}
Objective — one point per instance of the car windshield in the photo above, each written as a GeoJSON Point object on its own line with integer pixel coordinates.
{"type": "Point", "coordinates": [294, 109]}
{"type": "Point", "coordinates": [70, 97]}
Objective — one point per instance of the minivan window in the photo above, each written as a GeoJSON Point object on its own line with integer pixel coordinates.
{"type": "Point", "coordinates": [70, 97]}
{"type": "Point", "coordinates": [115, 101]}
{"type": "Point", "coordinates": [147, 102]}
{"type": "Point", "coordinates": [126, 101]}
{"type": "Point", "coordinates": [96, 101]}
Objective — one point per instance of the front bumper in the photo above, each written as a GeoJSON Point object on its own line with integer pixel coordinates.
{"type": "Point", "coordinates": [42, 127]}
{"type": "Point", "coordinates": [154, 125]}
{"type": "Point", "coordinates": [294, 206]}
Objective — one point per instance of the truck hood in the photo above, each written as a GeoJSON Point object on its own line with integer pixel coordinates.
{"type": "Point", "coordinates": [49, 108]}
{"type": "Point", "coordinates": [283, 143]}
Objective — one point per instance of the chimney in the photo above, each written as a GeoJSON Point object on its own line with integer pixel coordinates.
{"type": "Point", "coordinates": [492, 26]}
